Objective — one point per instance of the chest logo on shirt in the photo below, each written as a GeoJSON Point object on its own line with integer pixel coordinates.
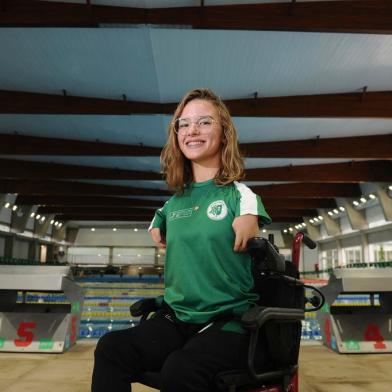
{"type": "Point", "coordinates": [179, 214]}
{"type": "Point", "coordinates": [217, 210]}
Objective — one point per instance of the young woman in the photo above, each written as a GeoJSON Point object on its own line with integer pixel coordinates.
{"type": "Point", "coordinates": [208, 279]}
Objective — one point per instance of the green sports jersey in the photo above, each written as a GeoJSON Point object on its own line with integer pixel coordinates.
{"type": "Point", "coordinates": [204, 277]}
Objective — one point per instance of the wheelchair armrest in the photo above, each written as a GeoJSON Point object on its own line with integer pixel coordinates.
{"type": "Point", "coordinates": [253, 320]}
{"type": "Point", "coordinates": [255, 317]}
{"type": "Point", "coordinates": [144, 307]}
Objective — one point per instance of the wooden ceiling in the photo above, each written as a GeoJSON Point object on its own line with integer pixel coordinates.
{"type": "Point", "coordinates": [62, 190]}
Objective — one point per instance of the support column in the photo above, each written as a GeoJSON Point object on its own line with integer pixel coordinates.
{"type": "Point", "coordinates": [313, 231]}
{"type": "Point", "coordinates": [20, 217]}
{"type": "Point", "coordinates": [385, 202]}
{"type": "Point", "coordinates": [33, 253]}
{"type": "Point", "coordinates": [49, 252]}
{"type": "Point", "coordinates": [332, 225]}
{"type": "Point", "coordinates": [41, 228]}
{"type": "Point", "coordinates": [71, 234]}
{"type": "Point", "coordinates": [9, 246]}
{"type": "Point", "coordinates": [365, 248]}
{"type": "Point", "coordinates": [357, 218]}
{"type": "Point", "coordinates": [58, 234]}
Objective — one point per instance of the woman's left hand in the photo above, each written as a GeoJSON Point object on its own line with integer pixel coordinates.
{"type": "Point", "coordinates": [245, 227]}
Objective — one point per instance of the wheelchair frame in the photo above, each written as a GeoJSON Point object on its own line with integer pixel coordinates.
{"type": "Point", "coordinates": [248, 380]}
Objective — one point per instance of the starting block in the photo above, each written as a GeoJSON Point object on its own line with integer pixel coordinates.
{"type": "Point", "coordinates": [356, 327]}
{"type": "Point", "coordinates": [38, 326]}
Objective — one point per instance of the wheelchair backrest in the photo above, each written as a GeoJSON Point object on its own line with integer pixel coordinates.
{"type": "Point", "coordinates": [277, 284]}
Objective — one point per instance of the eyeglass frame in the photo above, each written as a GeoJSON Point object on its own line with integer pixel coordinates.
{"type": "Point", "coordinates": [196, 123]}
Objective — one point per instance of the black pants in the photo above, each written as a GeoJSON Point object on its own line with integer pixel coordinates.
{"type": "Point", "coordinates": [186, 358]}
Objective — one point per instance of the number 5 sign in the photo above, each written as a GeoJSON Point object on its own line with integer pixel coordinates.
{"type": "Point", "coordinates": [25, 333]}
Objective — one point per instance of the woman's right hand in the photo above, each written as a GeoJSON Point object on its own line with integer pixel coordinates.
{"type": "Point", "coordinates": [158, 238]}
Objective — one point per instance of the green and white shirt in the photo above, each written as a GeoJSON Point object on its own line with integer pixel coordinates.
{"type": "Point", "coordinates": [204, 277]}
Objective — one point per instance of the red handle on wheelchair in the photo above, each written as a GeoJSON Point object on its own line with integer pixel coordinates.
{"type": "Point", "coordinates": [296, 249]}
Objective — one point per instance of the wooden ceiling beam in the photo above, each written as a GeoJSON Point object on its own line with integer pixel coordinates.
{"type": "Point", "coordinates": [10, 168]}
{"type": "Point", "coordinates": [93, 210]}
{"type": "Point", "coordinates": [50, 187]}
{"type": "Point", "coordinates": [372, 104]}
{"type": "Point", "coordinates": [121, 217]}
{"type": "Point", "coordinates": [365, 16]}
{"type": "Point", "coordinates": [275, 204]}
{"type": "Point", "coordinates": [65, 201]}
{"type": "Point", "coordinates": [346, 172]}
{"type": "Point", "coordinates": [139, 218]}
{"type": "Point", "coordinates": [45, 200]}
{"type": "Point", "coordinates": [113, 210]}
{"type": "Point", "coordinates": [308, 190]}
{"type": "Point", "coordinates": [370, 146]}
{"type": "Point", "coordinates": [355, 172]}
{"type": "Point", "coordinates": [16, 144]}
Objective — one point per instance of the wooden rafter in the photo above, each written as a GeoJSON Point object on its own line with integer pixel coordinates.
{"type": "Point", "coordinates": [308, 190]}
{"type": "Point", "coordinates": [139, 218]}
{"type": "Point", "coordinates": [355, 172]}
{"type": "Point", "coordinates": [48, 170]}
{"type": "Point", "coordinates": [375, 104]}
{"type": "Point", "coordinates": [363, 16]}
{"type": "Point", "coordinates": [113, 210]}
{"type": "Point", "coordinates": [16, 144]}
{"type": "Point", "coordinates": [74, 188]}
{"type": "Point", "coordinates": [370, 146]}
{"type": "Point", "coordinates": [58, 200]}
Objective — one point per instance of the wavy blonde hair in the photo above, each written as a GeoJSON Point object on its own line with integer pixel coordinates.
{"type": "Point", "coordinates": [176, 168]}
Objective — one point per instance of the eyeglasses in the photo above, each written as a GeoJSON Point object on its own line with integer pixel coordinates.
{"type": "Point", "coordinates": [203, 124]}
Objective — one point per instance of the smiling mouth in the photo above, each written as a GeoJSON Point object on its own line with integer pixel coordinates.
{"type": "Point", "coordinates": [194, 143]}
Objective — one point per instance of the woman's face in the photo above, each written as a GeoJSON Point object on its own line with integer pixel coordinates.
{"type": "Point", "coordinates": [200, 135]}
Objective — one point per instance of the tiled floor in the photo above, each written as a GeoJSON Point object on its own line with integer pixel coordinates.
{"type": "Point", "coordinates": [321, 371]}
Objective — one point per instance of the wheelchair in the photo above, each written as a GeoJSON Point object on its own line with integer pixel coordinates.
{"type": "Point", "coordinates": [276, 320]}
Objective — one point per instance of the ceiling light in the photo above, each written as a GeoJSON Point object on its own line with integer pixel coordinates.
{"type": "Point", "coordinates": [304, 224]}
{"type": "Point", "coordinates": [390, 187]}
{"type": "Point", "coordinates": [139, 255]}
{"type": "Point", "coordinates": [6, 205]}
{"type": "Point", "coordinates": [320, 217]}
{"type": "Point", "coordinates": [335, 211]}
{"type": "Point", "coordinates": [363, 200]}
{"type": "Point", "coordinates": [52, 221]}
{"type": "Point", "coordinates": [14, 208]}
{"type": "Point", "coordinates": [355, 203]}
{"type": "Point", "coordinates": [93, 229]}
{"type": "Point", "coordinates": [311, 221]}
{"type": "Point", "coordinates": [315, 219]}
{"type": "Point", "coordinates": [330, 213]}
{"type": "Point", "coordinates": [285, 231]}
{"type": "Point", "coordinates": [114, 229]}
{"type": "Point", "coordinates": [38, 216]}
{"type": "Point", "coordinates": [32, 215]}
{"type": "Point", "coordinates": [43, 219]}
{"type": "Point", "coordinates": [119, 255]}
{"type": "Point", "coordinates": [135, 229]}
{"type": "Point", "coordinates": [342, 209]}
{"type": "Point", "coordinates": [56, 223]}
{"type": "Point", "coordinates": [372, 196]}
{"type": "Point", "coordinates": [99, 255]}
{"type": "Point", "coordinates": [59, 225]}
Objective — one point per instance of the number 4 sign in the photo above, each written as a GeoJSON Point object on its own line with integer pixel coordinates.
{"type": "Point", "coordinates": [373, 334]}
